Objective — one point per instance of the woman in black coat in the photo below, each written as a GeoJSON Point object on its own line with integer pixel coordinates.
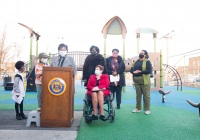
{"type": "Point", "coordinates": [116, 66]}
{"type": "Point", "coordinates": [91, 62]}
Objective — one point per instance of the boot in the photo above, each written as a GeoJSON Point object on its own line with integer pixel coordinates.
{"type": "Point", "coordinates": [118, 106]}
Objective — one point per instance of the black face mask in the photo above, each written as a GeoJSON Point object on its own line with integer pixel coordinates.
{"type": "Point", "coordinates": [93, 52]}
{"type": "Point", "coordinates": [141, 55]}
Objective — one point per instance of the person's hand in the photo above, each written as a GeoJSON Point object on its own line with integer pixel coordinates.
{"type": "Point", "coordinates": [137, 71]}
{"type": "Point", "coordinates": [114, 73]}
{"type": "Point", "coordinates": [38, 75]}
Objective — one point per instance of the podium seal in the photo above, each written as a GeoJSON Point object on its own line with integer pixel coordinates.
{"type": "Point", "coordinates": [56, 86]}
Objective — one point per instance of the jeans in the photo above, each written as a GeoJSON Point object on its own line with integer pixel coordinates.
{"type": "Point", "coordinates": [39, 94]}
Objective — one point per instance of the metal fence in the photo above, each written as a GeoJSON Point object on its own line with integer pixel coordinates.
{"type": "Point", "coordinates": [78, 56]}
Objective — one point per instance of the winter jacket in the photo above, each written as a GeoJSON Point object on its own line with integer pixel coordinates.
{"type": "Point", "coordinates": [103, 84]}
{"type": "Point", "coordinates": [90, 63]}
{"type": "Point", "coordinates": [120, 70]}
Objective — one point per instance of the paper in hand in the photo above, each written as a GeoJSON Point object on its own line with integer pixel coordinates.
{"type": "Point", "coordinates": [17, 99]}
{"type": "Point", "coordinates": [114, 78]}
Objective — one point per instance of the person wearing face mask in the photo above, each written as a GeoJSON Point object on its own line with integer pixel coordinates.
{"type": "Point", "coordinates": [98, 88]}
{"type": "Point", "coordinates": [63, 60]}
{"type": "Point", "coordinates": [91, 62]}
{"type": "Point", "coordinates": [116, 67]}
{"type": "Point", "coordinates": [141, 70]}
{"type": "Point", "coordinates": [42, 62]}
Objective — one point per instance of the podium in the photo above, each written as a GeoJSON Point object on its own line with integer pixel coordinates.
{"type": "Point", "coordinates": [57, 108]}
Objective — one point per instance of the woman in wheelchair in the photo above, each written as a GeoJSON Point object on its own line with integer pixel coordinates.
{"type": "Point", "coordinates": [97, 88]}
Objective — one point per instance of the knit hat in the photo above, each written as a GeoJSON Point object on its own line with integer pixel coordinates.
{"type": "Point", "coordinates": [43, 55]}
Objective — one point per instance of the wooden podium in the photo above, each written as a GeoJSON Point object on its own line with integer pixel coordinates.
{"type": "Point", "coordinates": [57, 109]}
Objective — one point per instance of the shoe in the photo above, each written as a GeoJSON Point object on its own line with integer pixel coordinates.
{"type": "Point", "coordinates": [38, 109]}
{"type": "Point", "coordinates": [147, 112]}
{"type": "Point", "coordinates": [93, 117]}
{"type": "Point", "coordinates": [18, 117]}
{"type": "Point", "coordinates": [136, 110]}
{"type": "Point", "coordinates": [118, 106]}
{"type": "Point", "coordinates": [102, 117]}
{"type": "Point", "coordinates": [23, 116]}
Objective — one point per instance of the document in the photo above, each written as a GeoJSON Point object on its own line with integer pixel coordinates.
{"type": "Point", "coordinates": [114, 78]}
{"type": "Point", "coordinates": [17, 99]}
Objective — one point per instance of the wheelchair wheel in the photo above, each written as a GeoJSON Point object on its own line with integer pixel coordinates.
{"type": "Point", "coordinates": [84, 110]}
{"type": "Point", "coordinates": [112, 119]}
{"type": "Point", "coordinates": [112, 115]}
{"type": "Point", "coordinates": [86, 113]}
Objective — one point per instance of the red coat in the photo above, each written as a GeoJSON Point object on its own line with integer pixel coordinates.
{"type": "Point", "coordinates": [103, 83]}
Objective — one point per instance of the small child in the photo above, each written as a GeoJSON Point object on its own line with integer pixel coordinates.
{"type": "Point", "coordinates": [43, 61]}
{"type": "Point", "coordinates": [19, 90]}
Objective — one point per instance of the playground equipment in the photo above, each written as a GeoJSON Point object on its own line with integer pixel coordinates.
{"type": "Point", "coordinates": [197, 105]}
{"type": "Point", "coordinates": [37, 36]}
{"type": "Point", "coordinates": [173, 76]}
{"type": "Point", "coordinates": [30, 64]}
{"type": "Point", "coordinates": [115, 26]}
{"type": "Point", "coordinates": [163, 94]}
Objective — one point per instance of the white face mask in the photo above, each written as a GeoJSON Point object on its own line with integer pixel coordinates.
{"type": "Point", "coordinates": [44, 60]}
{"type": "Point", "coordinates": [97, 72]}
{"type": "Point", "coordinates": [62, 53]}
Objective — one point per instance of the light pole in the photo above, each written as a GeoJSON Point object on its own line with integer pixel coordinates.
{"type": "Point", "coordinates": [168, 36]}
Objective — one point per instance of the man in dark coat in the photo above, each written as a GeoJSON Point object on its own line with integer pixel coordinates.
{"type": "Point", "coordinates": [116, 67]}
{"type": "Point", "coordinates": [91, 62]}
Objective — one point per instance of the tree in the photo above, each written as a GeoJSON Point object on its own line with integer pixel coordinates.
{"type": "Point", "coordinates": [6, 53]}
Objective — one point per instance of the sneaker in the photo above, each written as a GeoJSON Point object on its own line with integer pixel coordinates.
{"type": "Point", "coordinates": [39, 109]}
{"type": "Point", "coordinates": [147, 112]}
{"type": "Point", "coordinates": [18, 117]}
{"type": "Point", "coordinates": [136, 110]}
{"type": "Point", "coordinates": [102, 117]}
{"type": "Point", "coordinates": [23, 116]}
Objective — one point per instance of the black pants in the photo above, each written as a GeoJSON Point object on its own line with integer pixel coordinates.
{"type": "Point", "coordinates": [19, 108]}
{"type": "Point", "coordinates": [118, 90]}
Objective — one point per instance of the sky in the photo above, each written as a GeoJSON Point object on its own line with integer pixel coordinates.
{"type": "Point", "coordinates": [78, 23]}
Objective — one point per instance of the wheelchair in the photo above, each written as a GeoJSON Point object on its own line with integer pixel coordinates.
{"type": "Point", "coordinates": [88, 108]}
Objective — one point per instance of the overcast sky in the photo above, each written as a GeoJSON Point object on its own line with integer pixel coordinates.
{"type": "Point", "coordinates": [79, 23]}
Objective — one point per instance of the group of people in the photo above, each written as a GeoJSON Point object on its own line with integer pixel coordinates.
{"type": "Point", "coordinates": [97, 74]}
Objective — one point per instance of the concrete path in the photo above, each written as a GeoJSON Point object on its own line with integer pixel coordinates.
{"type": "Point", "coordinates": [12, 129]}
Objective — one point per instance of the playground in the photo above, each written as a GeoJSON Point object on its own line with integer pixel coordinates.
{"type": "Point", "coordinates": [172, 115]}
{"type": "Point", "coordinates": [173, 119]}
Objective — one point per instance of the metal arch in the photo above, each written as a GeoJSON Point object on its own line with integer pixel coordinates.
{"type": "Point", "coordinates": [175, 73]}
